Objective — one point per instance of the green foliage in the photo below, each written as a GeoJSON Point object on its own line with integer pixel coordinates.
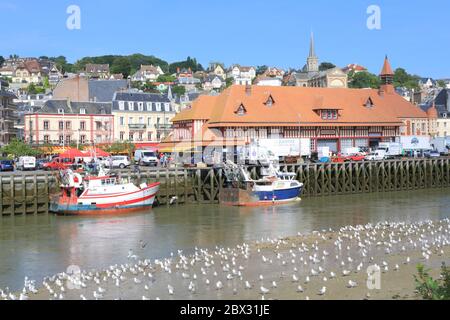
{"type": "Point", "coordinates": [188, 63]}
{"type": "Point", "coordinates": [229, 82]}
{"type": "Point", "coordinates": [261, 69]}
{"type": "Point", "coordinates": [2, 60]}
{"type": "Point", "coordinates": [363, 79]}
{"type": "Point", "coordinates": [326, 65]}
{"type": "Point", "coordinates": [166, 78]}
{"type": "Point", "coordinates": [441, 83]}
{"type": "Point", "coordinates": [33, 89]}
{"type": "Point", "coordinates": [135, 61]}
{"type": "Point", "coordinates": [62, 64]}
{"type": "Point", "coordinates": [404, 79]}
{"type": "Point", "coordinates": [121, 65]}
{"type": "Point", "coordinates": [45, 83]}
{"type": "Point", "coordinates": [178, 90]}
{"type": "Point", "coordinates": [122, 148]}
{"type": "Point", "coordinates": [431, 289]}
{"type": "Point", "coordinates": [17, 148]}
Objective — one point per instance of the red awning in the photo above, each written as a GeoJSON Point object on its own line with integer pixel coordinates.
{"type": "Point", "coordinates": [97, 152]}
{"type": "Point", "coordinates": [72, 153]}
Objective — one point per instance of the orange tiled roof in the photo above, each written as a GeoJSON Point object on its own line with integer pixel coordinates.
{"type": "Point", "coordinates": [294, 105]}
{"type": "Point", "coordinates": [201, 109]}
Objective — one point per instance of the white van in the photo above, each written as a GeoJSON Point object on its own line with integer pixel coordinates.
{"type": "Point", "coordinates": [377, 155]}
{"type": "Point", "coordinates": [146, 158]}
{"type": "Point", "coordinates": [26, 163]}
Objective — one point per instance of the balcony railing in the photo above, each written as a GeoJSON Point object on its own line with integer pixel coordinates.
{"type": "Point", "coordinates": [163, 126]}
{"type": "Point", "coordinates": [137, 126]}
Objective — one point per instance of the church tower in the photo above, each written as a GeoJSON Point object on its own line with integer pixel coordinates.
{"type": "Point", "coordinates": [387, 78]}
{"type": "Point", "coordinates": [312, 64]}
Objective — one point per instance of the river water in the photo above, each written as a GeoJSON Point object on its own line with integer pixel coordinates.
{"type": "Point", "coordinates": [42, 246]}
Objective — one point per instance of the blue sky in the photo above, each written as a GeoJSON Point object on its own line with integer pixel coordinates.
{"type": "Point", "coordinates": [415, 34]}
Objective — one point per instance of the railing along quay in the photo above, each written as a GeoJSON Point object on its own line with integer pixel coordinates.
{"type": "Point", "coordinates": [29, 193]}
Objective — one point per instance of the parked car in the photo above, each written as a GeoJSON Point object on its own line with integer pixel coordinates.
{"type": "Point", "coordinates": [146, 158]}
{"type": "Point", "coordinates": [40, 163]}
{"type": "Point", "coordinates": [432, 154]}
{"type": "Point", "coordinates": [355, 157]}
{"type": "Point", "coordinates": [26, 163]}
{"type": "Point", "coordinates": [6, 165]}
{"type": "Point", "coordinates": [59, 164]}
{"type": "Point", "coordinates": [121, 162]}
{"type": "Point", "coordinates": [376, 156]}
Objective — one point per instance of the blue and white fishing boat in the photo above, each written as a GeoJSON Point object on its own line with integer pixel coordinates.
{"type": "Point", "coordinates": [274, 188]}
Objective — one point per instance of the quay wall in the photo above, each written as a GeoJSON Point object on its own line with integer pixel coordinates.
{"type": "Point", "coordinates": [29, 193]}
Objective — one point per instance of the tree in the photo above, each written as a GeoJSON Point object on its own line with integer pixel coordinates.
{"type": "Point", "coordinates": [363, 79]}
{"type": "Point", "coordinates": [229, 82]}
{"type": "Point", "coordinates": [188, 63]}
{"type": "Point", "coordinates": [2, 60]}
{"type": "Point", "coordinates": [326, 65]}
{"type": "Point", "coordinates": [441, 84]}
{"type": "Point", "coordinates": [166, 78]}
{"type": "Point", "coordinates": [404, 79]}
{"type": "Point", "coordinates": [431, 289]}
{"type": "Point", "coordinates": [17, 148]}
{"type": "Point", "coordinates": [33, 89]}
{"type": "Point", "coordinates": [121, 65]}
{"type": "Point", "coordinates": [178, 90]}
{"type": "Point", "coordinates": [261, 69]}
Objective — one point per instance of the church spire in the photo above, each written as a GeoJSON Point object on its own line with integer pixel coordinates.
{"type": "Point", "coordinates": [312, 51]}
{"type": "Point", "coordinates": [312, 63]}
{"type": "Point", "coordinates": [387, 77]}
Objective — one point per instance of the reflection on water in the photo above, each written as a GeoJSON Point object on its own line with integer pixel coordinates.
{"type": "Point", "coordinates": [40, 246]}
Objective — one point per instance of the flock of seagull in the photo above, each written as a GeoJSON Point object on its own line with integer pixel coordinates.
{"type": "Point", "coordinates": [253, 271]}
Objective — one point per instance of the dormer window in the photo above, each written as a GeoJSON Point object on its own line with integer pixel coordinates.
{"type": "Point", "coordinates": [82, 111]}
{"type": "Point", "coordinates": [270, 102]}
{"type": "Point", "coordinates": [369, 103]}
{"type": "Point", "coordinates": [329, 114]}
{"type": "Point", "coordinates": [241, 111]}
{"type": "Point", "coordinates": [60, 111]}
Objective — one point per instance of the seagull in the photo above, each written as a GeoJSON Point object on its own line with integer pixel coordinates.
{"type": "Point", "coordinates": [264, 290]}
{"type": "Point", "coordinates": [307, 280]}
{"type": "Point", "coordinates": [300, 289]}
{"type": "Point", "coordinates": [248, 285]}
{"type": "Point", "coordinates": [294, 278]}
{"type": "Point", "coordinates": [351, 284]}
{"type": "Point", "coordinates": [322, 291]}
{"type": "Point", "coordinates": [332, 275]}
{"type": "Point", "coordinates": [219, 285]}
{"type": "Point", "coordinates": [170, 289]}
{"type": "Point", "coordinates": [274, 284]}
{"type": "Point", "coordinates": [345, 273]}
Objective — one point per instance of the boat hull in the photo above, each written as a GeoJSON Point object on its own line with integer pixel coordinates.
{"type": "Point", "coordinates": [104, 205]}
{"type": "Point", "coordinates": [249, 198]}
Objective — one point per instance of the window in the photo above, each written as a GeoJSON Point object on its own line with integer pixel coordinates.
{"type": "Point", "coordinates": [83, 139]}
{"type": "Point", "coordinates": [131, 106]}
{"type": "Point", "coordinates": [60, 111]}
{"type": "Point", "coordinates": [130, 120]}
{"type": "Point", "coordinates": [158, 106]}
{"type": "Point", "coordinates": [270, 102]}
{"type": "Point", "coordinates": [83, 125]}
{"type": "Point", "coordinates": [167, 107]}
{"type": "Point", "coordinates": [149, 121]}
{"type": "Point", "coordinates": [46, 139]}
{"type": "Point", "coordinates": [82, 111]}
{"type": "Point", "coordinates": [122, 135]}
{"type": "Point", "coordinates": [140, 106]}
{"type": "Point", "coordinates": [61, 125]}
{"type": "Point", "coordinates": [46, 125]}
{"type": "Point", "coordinates": [131, 136]}
{"type": "Point", "coordinates": [141, 120]}
{"type": "Point", "coordinates": [122, 105]}
{"type": "Point", "coordinates": [68, 125]}
{"type": "Point", "coordinates": [241, 110]}
{"type": "Point", "coordinates": [98, 125]}
{"type": "Point", "coordinates": [140, 136]}
{"type": "Point", "coordinates": [149, 136]}
{"type": "Point", "coordinates": [61, 139]}
{"type": "Point", "coordinates": [122, 121]}
{"type": "Point", "coordinates": [68, 139]}
{"type": "Point", "coordinates": [329, 114]}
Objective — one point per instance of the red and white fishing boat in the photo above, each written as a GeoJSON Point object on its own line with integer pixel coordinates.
{"type": "Point", "coordinates": [102, 194]}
